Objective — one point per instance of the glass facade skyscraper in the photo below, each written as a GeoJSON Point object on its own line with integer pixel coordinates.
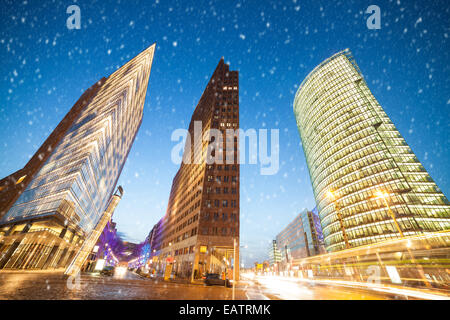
{"type": "Point", "coordinates": [71, 182]}
{"type": "Point", "coordinates": [354, 152]}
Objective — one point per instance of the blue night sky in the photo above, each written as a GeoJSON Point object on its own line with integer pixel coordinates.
{"type": "Point", "coordinates": [274, 45]}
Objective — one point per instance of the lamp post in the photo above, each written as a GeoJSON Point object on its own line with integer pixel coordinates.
{"type": "Point", "coordinates": [236, 264]}
{"type": "Point", "coordinates": [332, 197]}
{"type": "Point", "coordinates": [384, 195]}
{"type": "Point", "coordinates": [234, 267]}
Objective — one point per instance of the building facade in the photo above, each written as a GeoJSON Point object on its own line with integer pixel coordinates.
{"type": "Point", "coordinates": [201, 224]}
{"type": "Point", "coordinates": [109, 248]}
{"type": "Point", "coordinates": [291, 242]}
{"type": "Point", "coordinates": [300, 239]}
{"type": "Point", "coordinates": [52, 205]}
{"type": "Point", "coordinates": [354, 153]}
{"type": "Point", "coordinates": [77, 264]}
{"type": "Point", "coordinates": [313, 232]}
{"type": "Point", "coordinates": [274, 254]}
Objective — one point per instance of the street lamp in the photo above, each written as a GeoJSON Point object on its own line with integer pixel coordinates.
{"type": "Point", "coordinates": [331, 195]}
{"type": "Point", "coordinates": [236, 264]}
{"type": "Point", "coordinates": [234, 267]}
{"type": "Point", "coordinates": [384, 195]}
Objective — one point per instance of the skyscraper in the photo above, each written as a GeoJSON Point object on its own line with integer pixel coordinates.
{"type": "Point", "coordinates": [196, 234]}
{"type": "Point", "coordinates": [377, 188]}
{"type": "Point", "coordinates": [51, 205]}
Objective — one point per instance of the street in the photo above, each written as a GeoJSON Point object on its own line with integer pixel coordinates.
{"type": "Point", "coordinates": [289, 290]}
{"type": "Point", "coordinates": [128, 285]}
{"type": "Point", "coordinates": [38, 285]}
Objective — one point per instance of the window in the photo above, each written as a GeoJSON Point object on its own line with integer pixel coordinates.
{"type": "Point", "coordinates": [224, 203]}
{"type": "Point", "coordinates": [21, 179]}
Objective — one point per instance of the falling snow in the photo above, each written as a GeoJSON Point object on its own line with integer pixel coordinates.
{"type": "Point", "coordinates": [273, 45]}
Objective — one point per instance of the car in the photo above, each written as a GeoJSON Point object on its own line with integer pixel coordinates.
{"type": "Point", "coordinates": [107, 271]}
{"type": "Point", "coordinates": [211, 279]}
{"type": "Point", "coordinates": [144, 274]}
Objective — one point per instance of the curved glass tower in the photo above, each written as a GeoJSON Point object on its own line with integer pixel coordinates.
{"type": "Point", "coordinates": [368, 184]}
{"type": "Point", "coordinates": [56, 200]}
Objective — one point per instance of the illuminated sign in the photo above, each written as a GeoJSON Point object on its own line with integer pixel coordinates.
{"type": "Point", "coordinates": [203, 249]}
{"type": "Point", "coordinates": [167, 272]}
{"type": "Point", "coordinates": [95, 249]}
{"type": "Point", "coordinates": [100, 264]}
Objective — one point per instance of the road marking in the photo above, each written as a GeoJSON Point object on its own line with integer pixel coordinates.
{"type": "Point", "coordinates": [254, 294]}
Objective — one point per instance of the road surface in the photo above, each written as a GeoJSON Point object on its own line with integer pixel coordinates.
{"type": "Point", "coordinates": [128, 285]}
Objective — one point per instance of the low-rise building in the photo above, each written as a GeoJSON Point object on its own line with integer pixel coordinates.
{"type": "Point", "coordinates": [300, 239]}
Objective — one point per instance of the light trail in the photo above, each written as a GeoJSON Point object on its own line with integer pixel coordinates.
{"type": "Point", "coordinates": [276, 283]}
